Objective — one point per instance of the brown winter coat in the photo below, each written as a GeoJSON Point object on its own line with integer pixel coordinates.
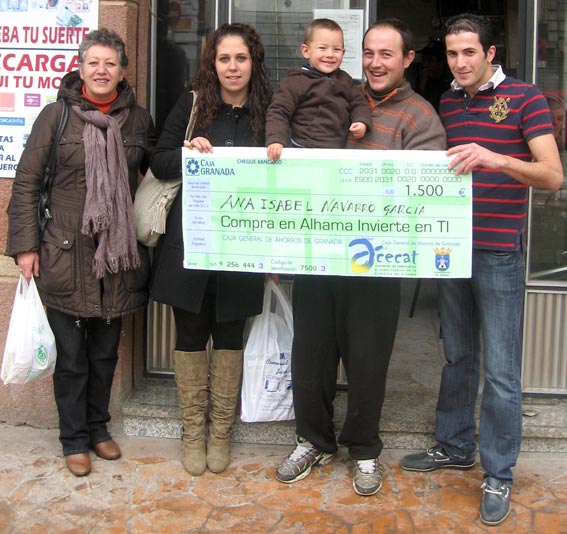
{"type": "Point", "coordinates": [66, 281]}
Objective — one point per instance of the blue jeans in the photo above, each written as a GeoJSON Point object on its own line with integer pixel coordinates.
{"type": "Point", "coordinates": [489, 303]}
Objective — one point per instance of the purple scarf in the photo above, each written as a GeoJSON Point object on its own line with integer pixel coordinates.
{"type": "Point", "coordinates": [107, 215]}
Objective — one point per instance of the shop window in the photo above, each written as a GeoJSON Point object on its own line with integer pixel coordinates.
{"type": "Point", "coordinates": [282, 23]}
{"type": "Point", "coordinates": [547, 262]}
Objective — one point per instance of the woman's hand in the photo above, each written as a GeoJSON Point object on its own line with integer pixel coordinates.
{"type": "Point", "coordinates": [28, 262]}
{"type": "Point", "coordinates": [275, 151]}
{"type": "Point", "coordinates": [274, 276]}
{"type": "Point", "coordinates": [202, 144]}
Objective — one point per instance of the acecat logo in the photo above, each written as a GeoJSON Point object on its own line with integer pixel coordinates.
{"type": "Point", "coordinates": [192, 166]}
{"type": "Point", "coordinates": [442, 258]}
{"type": "Point", "coordinates": [368, 253]}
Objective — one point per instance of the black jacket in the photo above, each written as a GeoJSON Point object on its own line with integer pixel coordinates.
{"type": "Point", "coordinates": [238, 295]}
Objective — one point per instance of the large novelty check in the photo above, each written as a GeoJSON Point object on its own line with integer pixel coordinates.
{"type": "Point", "coordinates": [327, 212]}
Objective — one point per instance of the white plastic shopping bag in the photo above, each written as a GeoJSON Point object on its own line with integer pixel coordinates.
{"type": "Point", "coordinates": [266, 379]}
{"type": "Point", "coordinates": [30, 351]}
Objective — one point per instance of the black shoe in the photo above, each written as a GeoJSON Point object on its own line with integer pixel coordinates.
{"type": "Point", "coordinates": [495, 505]}
{"type": "Point", "coordinates": [434, 458]}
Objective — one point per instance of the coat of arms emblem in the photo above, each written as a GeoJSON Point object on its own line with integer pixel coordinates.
{"type": "Point", "coordinates": [499, 109]}
{"type": "Point", "coordinates": [442, 258]}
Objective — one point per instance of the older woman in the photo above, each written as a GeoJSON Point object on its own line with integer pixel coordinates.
{"type": "Point", "coordinates": [90, 270]}
{"type": "Point", "coordinates": [233, 95]}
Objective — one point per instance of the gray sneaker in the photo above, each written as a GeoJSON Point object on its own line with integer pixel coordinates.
{"type": "Point", "coordinates": [367, 476]}
{"type": "Point", "coordinates": [434, 458]}
{"type": "Point", "coordinates": [299, 463]}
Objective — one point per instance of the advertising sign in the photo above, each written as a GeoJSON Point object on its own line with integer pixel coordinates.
{"type": "Point", "coordinates": [38, 46]}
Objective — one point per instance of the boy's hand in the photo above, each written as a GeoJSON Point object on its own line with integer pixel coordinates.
{"type": "Point", "coordinates": [275, 151]}
{"type": "Point", "coordinates": [358, 130]}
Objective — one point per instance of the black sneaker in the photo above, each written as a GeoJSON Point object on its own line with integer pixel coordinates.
{"type": "Point", "coordinates": [495, 505]}
{"type": "Point", "coordinates": [434, 458]}
{"type": "Point", "coordinates": [299, 463]}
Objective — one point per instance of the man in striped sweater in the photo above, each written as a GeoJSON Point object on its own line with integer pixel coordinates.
{"type": "Point", "coordinates": [499, 128]}
{"type": "Point", "coordinates": [355, 317]}
{"type": "Point", "coordinates": [401, 119]}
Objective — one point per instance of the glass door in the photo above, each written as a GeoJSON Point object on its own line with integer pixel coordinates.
{"type": "Point", "coordinates": [547, 259]}
{"type": "Point", "coordinates": [181, 29]}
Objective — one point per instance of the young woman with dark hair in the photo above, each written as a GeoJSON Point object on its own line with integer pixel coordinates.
{"type": "Point", "coordinates": [233, 96]}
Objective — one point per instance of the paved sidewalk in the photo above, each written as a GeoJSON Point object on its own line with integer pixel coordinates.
{"type": "Point", "coordinates": [147, 491]}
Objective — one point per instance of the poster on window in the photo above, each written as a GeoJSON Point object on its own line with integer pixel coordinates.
{"type": "Point", "coordinates": [352, 23]}
{"type": "Point", "coordinates": [38, 46]}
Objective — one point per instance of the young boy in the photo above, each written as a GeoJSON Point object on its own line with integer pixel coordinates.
{"type": "Point", "coordinates": [318, 101]}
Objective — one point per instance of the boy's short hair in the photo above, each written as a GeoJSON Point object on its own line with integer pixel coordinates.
{"type": "Point", "coordinates": [320, 24]}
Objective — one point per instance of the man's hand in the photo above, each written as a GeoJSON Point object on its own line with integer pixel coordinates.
{"type": "Point", "coordinates": [472, 155]}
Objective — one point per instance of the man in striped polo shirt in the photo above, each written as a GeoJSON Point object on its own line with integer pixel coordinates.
{"type": "Point", "coordinates": [499, 128]}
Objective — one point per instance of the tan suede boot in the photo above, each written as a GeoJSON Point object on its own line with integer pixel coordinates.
{"type": "Point", "coordinates": [192, 378]}
{"type": "Point", "coordinates": [226, 374]}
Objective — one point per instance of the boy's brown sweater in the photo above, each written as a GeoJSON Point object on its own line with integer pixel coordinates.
{"type": "Point", "coordinates": [318, 108]}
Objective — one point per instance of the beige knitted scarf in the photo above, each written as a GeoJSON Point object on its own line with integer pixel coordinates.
{"type": "Point", "coordinates": [107, 215]}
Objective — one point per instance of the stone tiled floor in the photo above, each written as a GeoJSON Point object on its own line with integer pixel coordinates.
{"type": "Point", "coordinates": [149, 492]}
